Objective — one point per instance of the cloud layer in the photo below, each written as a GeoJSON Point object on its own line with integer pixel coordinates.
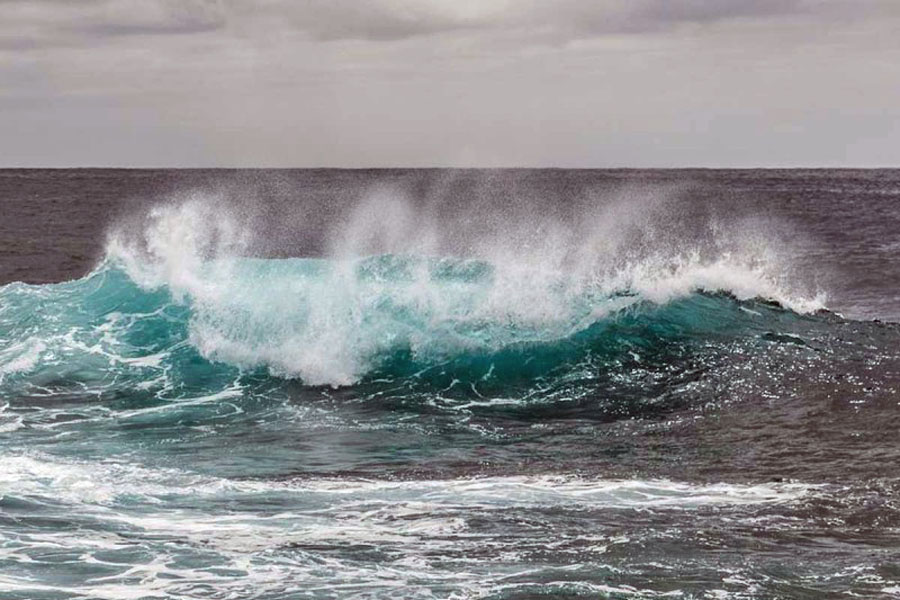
{"type": "Point", "coordinates": [434, 82]}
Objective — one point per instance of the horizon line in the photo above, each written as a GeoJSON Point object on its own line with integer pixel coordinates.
{"type": "Point", "coordinates": [445, 167]}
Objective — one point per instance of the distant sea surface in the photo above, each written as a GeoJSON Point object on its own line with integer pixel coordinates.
{"type": "Point", "coordinates": [449, 384]}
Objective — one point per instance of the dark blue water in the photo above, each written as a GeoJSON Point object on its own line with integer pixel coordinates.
{"type": "Point", "coordinates": [449, 384]}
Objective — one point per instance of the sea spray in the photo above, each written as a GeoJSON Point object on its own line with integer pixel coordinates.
{"type": "Point", "coordinates": [334, 319]}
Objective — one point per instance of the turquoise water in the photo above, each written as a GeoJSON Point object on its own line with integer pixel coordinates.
{"type": "Point", "coordinates": [426, 324]}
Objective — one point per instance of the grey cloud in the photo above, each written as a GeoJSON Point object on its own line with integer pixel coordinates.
{"type": "Point", "coordinates": [129, 17]}
{"type": "Point", "coordinates": [704, 11]}
{"type": "Point", "coordinates": [18, 43]}
{"type": "Point", "coordinates": [379, 20]}
{"type": "Point", "coordinates": [644, 16]}
{"type": "Point", "coordinates": [33, 24]}
{"type": "Point", "coordinates": [167, 27]}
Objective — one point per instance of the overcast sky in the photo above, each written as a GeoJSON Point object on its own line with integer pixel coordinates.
{"type": "Point", "coordinates": [354, 83]}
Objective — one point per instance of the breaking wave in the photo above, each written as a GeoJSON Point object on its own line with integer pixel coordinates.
{"type": "Point", "coordinates": [182, 290]}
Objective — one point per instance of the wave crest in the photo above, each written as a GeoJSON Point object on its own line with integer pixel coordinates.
{"type": "Point", "coordinates": [182, 273]}
{"type": "Point", "coordinates": [334, 320]}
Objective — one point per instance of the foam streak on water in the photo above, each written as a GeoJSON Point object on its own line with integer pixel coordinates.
{"type": "Point", "coordinates": [167, 533]}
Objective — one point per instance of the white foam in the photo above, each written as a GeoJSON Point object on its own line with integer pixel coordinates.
{"type": "Point", "coordinates": [21, 357]}
{"type": "Point", "coordinates": [104, 482]}
{"type": "Point", "coordinates": [242, 528]}
{"type": "Point", "coordinates": [9, 422]}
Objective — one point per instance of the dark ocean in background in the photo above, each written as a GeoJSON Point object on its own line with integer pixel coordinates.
{"type": "Point", "coordinates": [449, 384]}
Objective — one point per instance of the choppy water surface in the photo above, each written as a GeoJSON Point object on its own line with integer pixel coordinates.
{"type": "Point", "coordinates": [446, 384]}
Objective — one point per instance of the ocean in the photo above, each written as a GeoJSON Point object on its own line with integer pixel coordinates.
{"type": "Point", "coordinates": [445, 383]}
